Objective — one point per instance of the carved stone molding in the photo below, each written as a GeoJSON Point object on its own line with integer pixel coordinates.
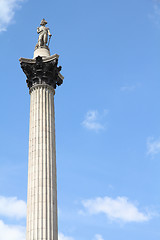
{"type": "Point", "coordinates": [40, 71]}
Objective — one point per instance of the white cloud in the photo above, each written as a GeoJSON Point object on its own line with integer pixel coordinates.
{"type": "Point", "coordinates": [127, 88]}
{"type": "Point", "coordinates": [116, 209]}
{"type": "Point", "coordinates": [98, 237]}
{"type": "Point", "coordinates": [94, 121]}
{"type": "Point", "coordinates": [130, 88]}
{"type": "Point", "coordinates": [7, 12]}
{"type": "Point", "coordinates": [8, 232]}
{"type": "Point", "coordinates": [61, 236]}
{"type": "Point", "coordinates": [155, 16]}
{"type": "Point", "coordinates": [153, 146]}
{"type": "Point", "coordinates": [13, 232]}
{"type": "Point", "coordinates": [12, 207]}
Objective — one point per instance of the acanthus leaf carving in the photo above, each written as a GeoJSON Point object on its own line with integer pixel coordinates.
{"type": "Point", "coordinates": [41, 72]}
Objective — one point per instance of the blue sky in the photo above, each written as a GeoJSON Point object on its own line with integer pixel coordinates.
{"type": "Point", "coordinates": [107, 116]}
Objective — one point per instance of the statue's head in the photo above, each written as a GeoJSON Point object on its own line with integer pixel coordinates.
{"type": "Point", "coordinates": [43, 22]}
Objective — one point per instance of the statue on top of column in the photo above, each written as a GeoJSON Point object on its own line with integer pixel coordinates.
{"type": "Point", "coordinates": [43, 32]}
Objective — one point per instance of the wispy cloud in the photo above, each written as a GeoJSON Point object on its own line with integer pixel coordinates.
{"type": "Point", "coordinates": [98, 237]}
{"type": "Point", "coordinates": [116, 209]}
{"type": "Point", "coordinates": [12, 207]}
{"type": "Point", "coordinates": [128, 88]}
{"type": "Point", "coordinates": [61, 236]}
{"type": "Point", "coordinates": [9, 232]}
{"type": "Point", "coordinates": [7, 12]}
{"type": "Point", "coordinates": [94, 120]}
{"type": "Point", "coordinates": [155, 15]}
{"type": "Point", "coordinates": [153, 146]}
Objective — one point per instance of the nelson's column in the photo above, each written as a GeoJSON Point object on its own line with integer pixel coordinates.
{"type": "Point", "coordinates": [43, 76]}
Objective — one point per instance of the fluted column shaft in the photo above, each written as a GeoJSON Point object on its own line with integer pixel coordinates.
{"type": "Point", "coordinates": [42, 185]}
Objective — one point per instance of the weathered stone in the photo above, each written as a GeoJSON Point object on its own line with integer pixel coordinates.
{"type": "Point", "coordinates": [42, 71]}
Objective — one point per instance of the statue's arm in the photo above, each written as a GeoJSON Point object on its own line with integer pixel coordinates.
{"type": "Point", "coordinates": [49, 33]}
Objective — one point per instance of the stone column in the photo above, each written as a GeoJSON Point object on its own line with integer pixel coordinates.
{"type": "Point", "coordinates": [42, 186]}
{"type": "Point", "coordinates": [42, 78]}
